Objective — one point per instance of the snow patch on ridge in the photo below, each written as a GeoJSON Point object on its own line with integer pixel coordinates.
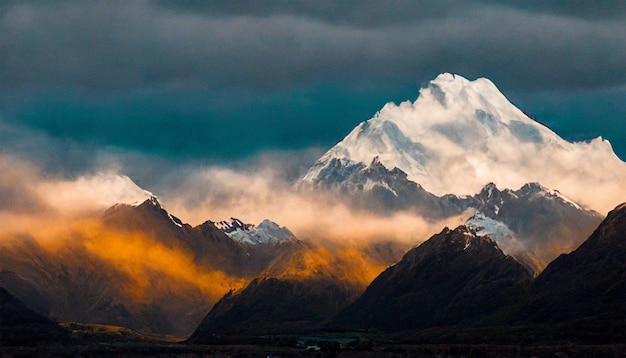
{"type": "Point", "coordinates": [483, 225]}
{"type": "Point", "coordinates": [175, 220]}
{"type": "Point", "coordinates": [565, 199]}
{"type": "Point", "coordinates": [370, 184]}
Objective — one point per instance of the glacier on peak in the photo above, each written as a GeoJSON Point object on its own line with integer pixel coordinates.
{"type": "Point", "coordinates": [460, 134]}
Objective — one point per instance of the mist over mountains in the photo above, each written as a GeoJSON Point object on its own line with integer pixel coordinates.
{"type": "Point", "coordinates": [456, 210]}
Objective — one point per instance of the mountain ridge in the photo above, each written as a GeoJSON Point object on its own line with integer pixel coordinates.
{"type": "Point", "coordinates": [590, 281]}
{"type": "Point", "coordinates": [265, 232]}
{"type": "Point", "coordinates": [136, 265]}
{"type": "Point", "coordinates": [454, 277]}
{"type": "Point", "coordinates": [542, 223]}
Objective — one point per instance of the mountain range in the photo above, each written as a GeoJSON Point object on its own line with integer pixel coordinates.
{"type": "Point", "coordinates": [534, 223]}
{"type": "Point", "coordinates": [589, 282]}
{"type": "Point", "coordinates": [457, 280]}
{"type": "Point", "coordinates": [530, 246]}
{"type": "Point", "coordinates": [462, 149]}
{"type": "Point", "coordinates": [131, 273]}
{"type": "Point", "coordinates": [426, 157]}
{"type": "Point", "coordinates": [147, 270]}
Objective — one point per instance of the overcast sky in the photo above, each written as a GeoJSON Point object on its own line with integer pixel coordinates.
{"type": "Point", "coordinates": [159, 86]}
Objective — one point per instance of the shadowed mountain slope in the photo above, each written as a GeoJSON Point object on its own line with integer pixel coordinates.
{"type": "Point", "coordinates": [455, 277]}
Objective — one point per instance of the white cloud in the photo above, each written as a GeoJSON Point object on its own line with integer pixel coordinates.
{"type": "Point", "coordinates": [90, 192]}
{"type": "Point", "coordinates": [219, 193]}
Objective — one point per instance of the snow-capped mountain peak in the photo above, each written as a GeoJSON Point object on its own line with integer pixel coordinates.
{"type": "Point", "coordinates": [449, 89]}
{"type": "Point", "coordinates": [460, 134]}
{"type": "Point", "coordinates": [232, 225]}
{"type": "Point", "coordinates": [498, 231]}
{"type": "Point", "coordinates": [538, 189]}
{"type": "Point", "coordinates": [152, 200]}
{"type": "Point", "coordinates": [267, 231]}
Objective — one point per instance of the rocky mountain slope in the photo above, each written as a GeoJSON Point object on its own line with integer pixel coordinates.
{"type": "Point", "coordinates": [455, 277]}
{"type": "Point", "coordinates": [137, 266]}
{"type": "Point", "coordinates": [296, 294]}
{"type": "Point", "coordinates": [19, 325]}
{"type": "Point", "coordinates": [588, 283]}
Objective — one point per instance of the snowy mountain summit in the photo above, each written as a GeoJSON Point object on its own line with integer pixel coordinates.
{"type": "Point", "coordinates": [459, 135]}
{"type": "Point", "coordinates": [267, 231]}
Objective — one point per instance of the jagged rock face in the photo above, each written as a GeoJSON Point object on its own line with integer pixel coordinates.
{"type": "Point", "coordinates": [378, 189]}
{"type": "Point", "coordinates": [545, 223]}
{"type": "Point", "coordinates": [589, 282]}
{"type": "Point", "coordinates": [266, 232]}
{"type": "Point", "coordinates": [542, 222]}
{"type": "Point", "coordinates": [453, 278]}
{"type": "Point", "coordinates": [232, 225]}
{"type": "Point", "coordinates": [388, 190]}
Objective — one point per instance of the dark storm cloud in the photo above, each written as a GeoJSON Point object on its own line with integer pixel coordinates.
{"type": "Point", "coordinates": [585, 9]}
{"type": "Point", "coordinates": [376, 13]}
{"type": "Point", "coordinates": [364, 13]}
{"type": "Point", "coordinates": [113, 45]}
{"type": "Point", "coordinates": [194, 80]}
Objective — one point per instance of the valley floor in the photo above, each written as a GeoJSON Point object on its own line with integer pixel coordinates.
{"type": "Point", "coordinates": [377, 349]}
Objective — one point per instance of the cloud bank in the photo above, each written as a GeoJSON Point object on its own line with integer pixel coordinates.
{"type": "Point", "coordinates": [115, 45]}
{"type": "Point", "coordinates": [212, 193]}
{"type": "Point", "coordinates": [220, 193]}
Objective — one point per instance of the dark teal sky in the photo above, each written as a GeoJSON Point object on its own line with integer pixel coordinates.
{"type": "Point", "coordinates": [158, 85]}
